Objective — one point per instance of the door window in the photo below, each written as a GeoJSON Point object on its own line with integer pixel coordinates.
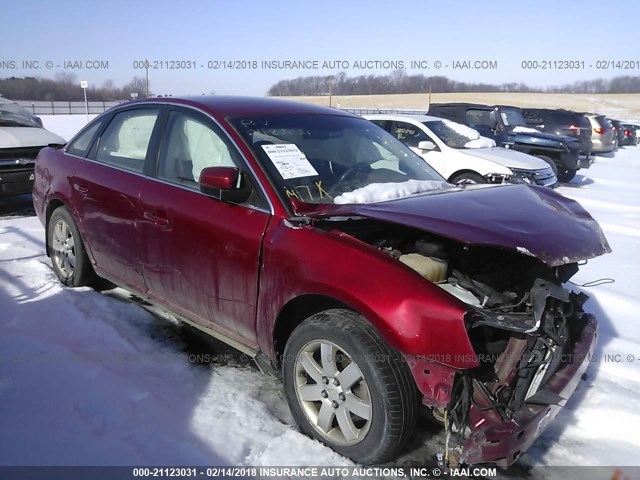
{"type": "Point", "coordinates": [190, 146]}
{"type": "Point", "coordinates": [480, 118]}
{"type": "Point", "coordinates": [408, 134]}
{"type": "Point", "coordinates": [193, 143]}
{"type": "Point", "coordinates": [125, 141]}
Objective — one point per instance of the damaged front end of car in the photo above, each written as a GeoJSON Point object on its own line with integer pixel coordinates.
{"type": "Point", "coordinates": [532, 343]}
{"type": "Point", "coordinates": [532, 349]}
{"type": "Point", "coordinates": [531, 338]}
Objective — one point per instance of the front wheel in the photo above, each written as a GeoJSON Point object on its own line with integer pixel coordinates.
{"type": "Point", "coordinates": [68, 255]}
{"type": "Point", "coordinates": [549, 162]}
{"type": "Point", "coordinates": [347, 388]}
{"type": "Point", "coordinates": [467, 177]}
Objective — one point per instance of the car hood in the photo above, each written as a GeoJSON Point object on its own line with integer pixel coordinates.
{"type": "Point", "coordinates": [16, 137]}
{"type": "Point", "coordinates": [533, 220]}
{"type": "Point", "coordinates": [507, 158]}
{"type": "Point", "coordinates": [550, 137]}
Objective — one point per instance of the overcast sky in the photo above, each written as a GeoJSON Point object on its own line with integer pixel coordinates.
{"type": "Point", "coordinates": [207, 33]}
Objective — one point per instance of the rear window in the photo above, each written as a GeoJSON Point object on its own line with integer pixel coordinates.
{"type": "Point", "coordinates": [534, 117]}
{"type": "Point", "coordinates": [604, 123]}
{"type": "Point", "coordinates": [562, 118]}
{"type": "Point", "coordinates": [583, 121]}
{"type": "Point", "coordinates": [80, 145]}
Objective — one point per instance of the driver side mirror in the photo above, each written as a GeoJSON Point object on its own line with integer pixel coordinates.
{"type": "Point", "coordinates": [222, 184]}
{"type": "Point", "coordinates": [426, 145]}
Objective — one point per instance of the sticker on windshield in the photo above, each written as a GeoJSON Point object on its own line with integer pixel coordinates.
{"type": "Point", "coordinates": [289, 160]}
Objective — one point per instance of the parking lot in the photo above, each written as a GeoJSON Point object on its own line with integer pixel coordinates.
{"type": "Point", "coordinates": [100, 373]}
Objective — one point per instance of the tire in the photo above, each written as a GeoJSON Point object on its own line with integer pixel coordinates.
{"type": "Point", "coordinates": [68, 255]}
{"type": "Point", "coordinates": [567, 175]}
{"type": "Point", "coordinates": [381, 387]}
{"type": "Point", "coordinates": [551, 163]}
{"type": "Point", "coordinates": [467, 177]}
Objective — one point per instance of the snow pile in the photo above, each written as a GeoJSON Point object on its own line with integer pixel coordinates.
{"type": "Point", "coordinates": [93, 379]}
{"type": "Point", "coordinates": [523, 129]}
{"type": "Point", "coordinates": [482, 142]}
{"type": "Point", "coordinates": [379, 192]}
{"type": "Point", "coordinates": [475, 139]}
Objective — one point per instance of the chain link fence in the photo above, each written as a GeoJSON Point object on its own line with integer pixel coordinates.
{"type": "Point", "coordinates": [371, 111]}
{"type": "Point", "coordinates": [66, 108]}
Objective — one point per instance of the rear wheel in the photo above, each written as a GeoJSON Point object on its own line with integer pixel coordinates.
{"type": "Point", "coordinates": [68, 255]}
{"type": "Point", "coordinates": [347, 388]}
{"type": "Point", "coordinates": [467, 177]}
{"type": "Point", "coordinates": [567, 175]}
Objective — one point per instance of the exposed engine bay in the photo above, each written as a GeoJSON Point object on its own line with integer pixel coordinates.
{"type": "Point", "coordinates": [523, 325]}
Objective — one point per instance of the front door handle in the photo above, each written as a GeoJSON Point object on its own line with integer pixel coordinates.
{"type": "Point", "coordinates": [159, 219]}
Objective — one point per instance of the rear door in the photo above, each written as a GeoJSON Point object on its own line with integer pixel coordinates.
{"type": "Point", "coordinates": [202, 255]}
{"type": "Point", "coordinates": [106, 189]}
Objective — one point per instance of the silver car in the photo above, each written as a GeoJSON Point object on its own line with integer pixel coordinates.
{"type": "Point", "coordinates": [603, 135]}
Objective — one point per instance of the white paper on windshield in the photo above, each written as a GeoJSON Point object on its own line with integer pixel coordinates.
{"type": "Point", "coordinates": [289, 160]}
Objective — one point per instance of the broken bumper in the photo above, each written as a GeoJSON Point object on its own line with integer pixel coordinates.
{"type": "Point", "coordinates": [502, 443]}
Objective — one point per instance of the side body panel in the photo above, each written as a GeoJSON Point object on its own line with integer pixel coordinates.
{"type": "Point", "coordinates": [413, 315]}
{"type": "Point", "coordinates": [202, 257]}
{"type": "Point", "coordinates": [107, 202]}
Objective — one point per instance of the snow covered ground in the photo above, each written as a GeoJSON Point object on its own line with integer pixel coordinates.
{"type": "Point", "coordinates": [89, 378]}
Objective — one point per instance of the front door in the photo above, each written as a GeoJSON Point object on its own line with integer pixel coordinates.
{"type": "Point", "coordinates": [201, 255]}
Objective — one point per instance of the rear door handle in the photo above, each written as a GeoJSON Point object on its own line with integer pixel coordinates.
{"type": "Point", "coordinates": [160, 219]}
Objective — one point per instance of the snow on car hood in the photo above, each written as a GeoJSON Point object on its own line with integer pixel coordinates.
{"type": "Point", "coordinates": [508, 158]}
{"type": "Point", "coordinates": [475, 139]}
{"type": "Point", "coordinates": [15, 137]}
{"type": "Point", "coordinates": [535, 221]}
{"type": "Point", "coordinates": [380, 192]}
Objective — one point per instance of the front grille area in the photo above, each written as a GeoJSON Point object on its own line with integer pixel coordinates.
{"type": "Point", "coordinates": [544, 176]}
{"type": "Point", "coordinates": [29, 153]}
{"type": "Point", "coordinates": [17, 160]}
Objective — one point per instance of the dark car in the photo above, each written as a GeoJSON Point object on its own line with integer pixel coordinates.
{"type": "Point", "coordinates": [561, 122]}
{"type": "Point", "coordinates": [506, 125]}
{"type": "Point", "coordinates": [322, 246]}
{"type": "Point", "coordinates": [21, 138]}
{"type": "Point", "coordinates": [631, 133]}
{"type": "Point", "coordinates": [618, 130]}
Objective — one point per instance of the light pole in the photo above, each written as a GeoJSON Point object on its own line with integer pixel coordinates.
{"type": "Point", "coordinates": [84, 84]}
{"type": "Point", "coordinates": [146, 85]}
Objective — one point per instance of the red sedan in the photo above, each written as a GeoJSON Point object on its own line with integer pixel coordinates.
{"type": "Point", "coordinates": [319, 244]}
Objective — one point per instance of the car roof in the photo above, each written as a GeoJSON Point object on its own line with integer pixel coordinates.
{"type": "Point", "coordinates": [460, 105]}
{"type": "Point", "coordinates": [551, 110]}
{"type": "Point", "coordinates": [237, 106]}
{"type": "Point", "coordinates": [403, 116]}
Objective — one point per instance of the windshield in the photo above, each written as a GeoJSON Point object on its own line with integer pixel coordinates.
{"type": "Point", "coordinates": [512, 117]}
{"type": "Point", "coordinates": [13, 115]}
{"type": "Point", "coordinates": [456, 135]}
{"type": "Point", "coordinates": [318, 158]}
